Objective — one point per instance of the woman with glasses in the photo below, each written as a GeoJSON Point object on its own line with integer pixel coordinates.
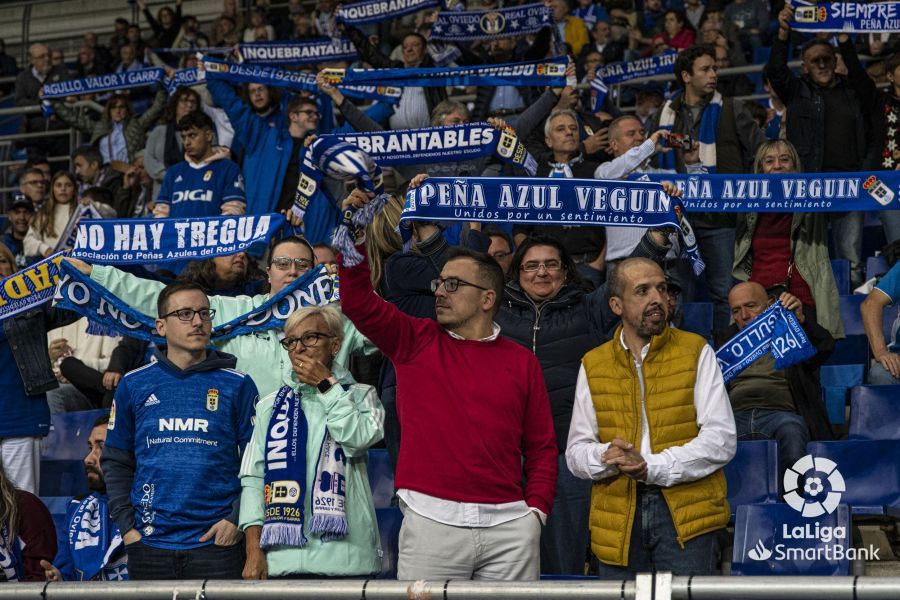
{"type": "Point", "coordinates": [338, 534]}
{"type": "Point", "coordinates": [260, 353]}
{"type": "Point", "coordinates": [118, 134]}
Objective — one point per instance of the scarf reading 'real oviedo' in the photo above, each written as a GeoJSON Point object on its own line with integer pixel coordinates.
{"type": "Point", "coordinates": [775, 330]}
{"type": "Point", "coordinates": [95, 542]}
{"type": "Point", "coordinates": [452, 143]}
{"type": "Point", "coordinates": [285, 479]}
{"type": "Point", "coordinates": [458, 26]}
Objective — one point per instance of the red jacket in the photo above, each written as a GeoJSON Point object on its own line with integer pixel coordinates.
{"type": "Point", "coordinates": [469, 410]}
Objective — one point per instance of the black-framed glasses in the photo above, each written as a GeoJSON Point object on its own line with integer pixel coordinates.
{"type": "Point", "coordinates": [309, 339]}
{"type": "Point", "coordinates": [35, 182]}
{"type": "Point", "coordinates": [283, 263]}
{"type": "Point", "coordinates": [451, 284]}
{"type": "Point", "coordinates": [533, 265]}
{"type": "Point", "coordinates": [310, 113]}
{"type": "Point", "coordinates": [187, 314]}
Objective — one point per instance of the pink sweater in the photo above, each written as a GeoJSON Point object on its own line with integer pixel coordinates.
{"type": "Point", "coordinates": [469, 410]}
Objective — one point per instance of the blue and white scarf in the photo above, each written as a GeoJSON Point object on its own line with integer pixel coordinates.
{"type": "Point", "coordinates": [623, 72]}
{"type": "Point", "coordinates": [104, 83]}
{"type": "Point", "coordinates": [140, 241]}
{"type": "Point", "coordinates": [94, 540]}
{"type": "Point", "coordinates": [689, 246]}
{"type": "Point", "coordinates": [792, 192]}
{"type": "Point", "coordinates": [376, 11]}
{"type": "Point", "coordinates": [83, 212]}
{"type": "Point", "coordinates": [80, 294]}
{"type": "Point", "coordinates": [485, 24]}
{"type": "Point", "coordinates": [441, 144]}
{"type": "Point", "coordinates": [549, 72]}
{"type": "Point", "coordinates": [847, 17]}
{"type": "Point", "coordinates": [183, 78]}
{"type": "Point", "coordinates": [306, 52]}
{"type": "Point", "coordinates": [777, 331]}
{"type": "Point", "coordinates": [29, 288]}
{"type": "Point", "coordinates": [295, 80]}
{"type": "Point", "coordinates": [709, 128]}
{"type": "Point", "coordinates": [11, 566]}
{"type": "Point", "coordinates": [285, 479]}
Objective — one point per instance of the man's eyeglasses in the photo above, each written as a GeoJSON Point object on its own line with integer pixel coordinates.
{"type": "Point", "coordinates": [187, 314]}
{"type": "Point", "coordinates": [451, 284]}
{"type": "Point", "coordinates": [35, 182]}
{"type": "Point", "coordinates": [310, 113]}
{"type": "Point", "coordinates": [283, 263]}
{"type": "Point", "coordinates": [307, 340]}
{"type": "Point", "coordinates": [532, 265]}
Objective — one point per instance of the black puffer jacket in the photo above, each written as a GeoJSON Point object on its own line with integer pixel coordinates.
{"type": "Point", "coordinates": [560, 332]}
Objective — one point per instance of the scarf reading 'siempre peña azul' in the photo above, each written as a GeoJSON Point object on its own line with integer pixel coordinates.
{"type": "Point", "coordinates": [847, 17]}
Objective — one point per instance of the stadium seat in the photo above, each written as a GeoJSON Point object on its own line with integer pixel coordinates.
{"type": "Point", "coordinates": [389, 521]}
{"type": "Point", "coordinates": [836, 382]}
{"type": "Point", "coordinates": [697, 317]}
{"type": "Point", "coordinates": [852, 350]}
{"type": "Point", "coordinates": [841, 269]}
{"type": "Point", "coordinates": [875, 412]}
{"type": "Point", "coordinates": [752, 475]}
{"type": "Point", "coordinates": [68, 435]}
{"type": "Point", "coordinates": [63, 478]}
{"type": "Point", "coordinates": [876, 266]}
{"type": "Point", "coordinates": [381, 478]}
{"type": "Point", "coordinates": [869, 470]}
{"type": "Point", "coordinates": [57, 505]}
{"type": "Point", "coordinates": [761, 547]}
{"type": "Point", "coordinates": [849, 308]}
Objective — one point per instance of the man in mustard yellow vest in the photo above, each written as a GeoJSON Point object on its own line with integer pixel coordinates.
{"type": "Point", "coordinates": [652, 426]}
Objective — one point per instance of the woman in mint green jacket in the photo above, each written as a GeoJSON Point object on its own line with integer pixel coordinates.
{"type": "Point", "coordinates": [259, 354]}
{"type": "Point", "coordinates": [354, 419]}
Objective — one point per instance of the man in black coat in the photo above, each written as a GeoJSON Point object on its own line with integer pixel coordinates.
{"type": "Point", "coordinates": [28, 87]}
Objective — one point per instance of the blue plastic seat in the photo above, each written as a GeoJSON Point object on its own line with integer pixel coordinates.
{"type": "Point", "coordinates": [57, 505]}
{"type": "Point", "coordinates": [869, 470]}
{"type": "Point", "coordinates": [841, 269]}
{"type": "Point", "coordinates": [876, 266]}
{"type": "Point", "coordinates": [852, 350]}
{"type": "Point", "coordinates": [68, 435]}
{"type": "Point", "coordinates": [836, 383]}
{"type": "Point", "coordinates": [752, 475]}
{"type": "Point", "coordinates": [389, 522]}
{"type": "Point", "coordinates": [697, 317]}
{"type": "Point", "coordinates": [381, 478]}
{"type": "Point", "coordinates": [850, 315]}
{"type": "Point", "coordinates": [875, 412]}
{"type": "Point", "coordinates": [63, 478]}
{"type": "Point", "coordinates": [761, 547]}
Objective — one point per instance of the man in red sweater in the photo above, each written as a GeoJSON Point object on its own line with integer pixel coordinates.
{"type": "Point", "coordinates": [471, 405]}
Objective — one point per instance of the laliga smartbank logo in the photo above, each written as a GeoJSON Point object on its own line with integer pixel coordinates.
{"type": "Point", "coordinates": [823, 487]}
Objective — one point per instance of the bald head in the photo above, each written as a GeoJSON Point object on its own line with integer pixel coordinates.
{"type": "Point", "coordinates": [747, 300]}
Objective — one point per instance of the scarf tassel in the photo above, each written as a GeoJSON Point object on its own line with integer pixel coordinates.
{"type": "Point", "coordinates": [332, 527]}
{"type": "Point", "coordinates": [282, 534]}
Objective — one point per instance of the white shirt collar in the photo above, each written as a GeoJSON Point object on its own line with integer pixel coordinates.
{"type": "Point", "coordinates": [644, 350]}
{"type": "Point", "coordinates": [494, 328]}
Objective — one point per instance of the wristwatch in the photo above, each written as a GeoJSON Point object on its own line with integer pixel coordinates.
{"type": "Point", "coordinates": [325, 385]}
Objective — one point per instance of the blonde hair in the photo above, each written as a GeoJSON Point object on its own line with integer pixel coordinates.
{"type": "Point", "coordinates": [382, 239]}
{"type": "Point", "coordinates": [334, 321]}
{"type": "Point", "coordinates": [6, 253]}
{"type": "Point", "coordinates": [9, 508]}
{"type": "Point", "coordinates": [768, 145]}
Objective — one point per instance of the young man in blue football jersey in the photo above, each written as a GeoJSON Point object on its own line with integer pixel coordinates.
{"type": "Point", "coordinates": [206, 183]}
{"type": "Point", "coordinates": [177, 431]}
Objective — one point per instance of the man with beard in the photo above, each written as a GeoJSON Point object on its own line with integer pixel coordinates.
{"type": "Point", "coordinates": [90, 546]}
{"type": "Point", "coordinates": [19, 216]}
{"type": "Point", "coordinates": [652, 427]}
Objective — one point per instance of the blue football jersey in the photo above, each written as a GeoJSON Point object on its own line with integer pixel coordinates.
{"type": "Point", "coordinates": [193, 191]}
{"type": "Point", "coordinates": [187, 431]}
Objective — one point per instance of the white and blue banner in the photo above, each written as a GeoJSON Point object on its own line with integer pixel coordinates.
{"type": "Point", "coordinates": [623, 72]}
{"type": "Point", "coordinates": [182, 78]}
{"type": "Point", "coordinates": [794, 192]}
{"type": "Point", "coordinates": [140, 241]}
{"type": "Point", "coordinates": [104, 83]}
{"type": "Point", "coordinates": [106, 312]}
{"type": "Point", "coordinates": [68, 238]}
{"type": "Point", "coordinates": [306, 52]}
{"type": "Point", "coordinates": [375, 11]}
{"type": "Point", "coordinates": [540, 202]}
{"type": "Point", "coordinates": [776, 331]}
{"type": "Point", "coordinates": [441, 144]}
{"type": "Point", "coordinates": [452, 26]}
{"type": "Point", "coordinates": [30, 287]}
{"type": "Point", "coordinates": [550, 72]}
{"type": "Point", "coordinates": [297, 80]}
{"type": "Point", "coordinates": [847, 17]}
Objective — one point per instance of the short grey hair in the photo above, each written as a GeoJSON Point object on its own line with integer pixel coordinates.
{"type": "Point", "coordinates": [334, 321]}
{"type": "Point", "coordinates": [558, 112]}
{"type": "Point", "coordinates": [445, 108]}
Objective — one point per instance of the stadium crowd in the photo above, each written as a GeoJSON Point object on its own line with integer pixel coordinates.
{"type": "Point", "coordinates": [543, 409]}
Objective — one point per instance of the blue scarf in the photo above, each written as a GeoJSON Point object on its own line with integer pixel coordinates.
{"type": "Point", "coordinates": [82, 295]}
{"type": "Point", "coordinates": [485, 24]}
{"type": "Point", "coordinates": [622, 72]}
{"type": "Point", "coordinates": [183, 78]}
{"type": "Point", "coordinates": [29, 288]}
{"type": "Point", "coordinates": [549, 72]}
{"type": "Point", "coordinates": [689, 246]}
{"type": "Point", "coordinates": [94, 540]}
{"type": "Point", "coordinates": [706, 136]}
{"type": "Point", "coordinates": [847, 17]}
{"type": "Point", "coordinates": [104, 83]}
{"type": "Point", "coordinates": [441, 144]}
{"type": "Point", "coordinates": [139, 241]}
{"type": "Point", "coordinates": [296, 80]}
{"type": "Point", "coordinates": [376, 11]}
{"type": "Point", "coordinates": [793, 192]}
{"type": "Point", "coordinates": [306, 52]}
{"type": "Point", "coordinates": [10, 556]}
{"type": "Point", "coordinates": [775, 330]}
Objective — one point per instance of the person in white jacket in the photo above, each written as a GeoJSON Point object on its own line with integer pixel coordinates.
{"type": "Point", "coordinates": [80, 362]}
